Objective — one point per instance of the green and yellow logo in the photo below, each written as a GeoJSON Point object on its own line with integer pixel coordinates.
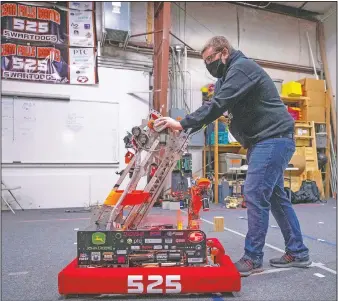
{"type": "Point", "coordinates": [98, 238]}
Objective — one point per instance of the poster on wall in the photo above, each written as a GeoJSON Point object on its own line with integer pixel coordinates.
{"type": "Point", "coordinates": [48, 25]}
{"type": "Point", "coordinates": [56, 64]}
{"type": "Point", "coordinates": [80, 29]}
{"type": "Point", "coordinates": [77, 5]}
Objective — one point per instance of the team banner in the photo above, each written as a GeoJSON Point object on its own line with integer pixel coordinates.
{"type": "Point", "coordinates": [56, 64]}
{"type": "Point", "coordinates": [72, 26]}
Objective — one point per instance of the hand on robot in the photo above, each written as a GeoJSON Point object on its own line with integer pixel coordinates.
{"type": "Point", "coordinates": [167, 122]}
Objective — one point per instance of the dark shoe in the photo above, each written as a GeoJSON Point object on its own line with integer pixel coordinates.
{"type": "Point", "coordinates": [287, 261]}
{"type": "Point", "coordinates": [246, 267]}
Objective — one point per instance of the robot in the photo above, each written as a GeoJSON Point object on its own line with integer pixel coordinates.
{"type": "Point", "coordinates": [131, 257]}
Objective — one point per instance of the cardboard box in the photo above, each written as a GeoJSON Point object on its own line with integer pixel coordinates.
{"type": "Point", "coordinates": [317, 98]}
{"type": "Point", "coordinates": [316, 114]}
{"type": "Point", "coordinates": [312, 84]}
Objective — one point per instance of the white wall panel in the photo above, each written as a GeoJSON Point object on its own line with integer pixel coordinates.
{"type": "Point", "coordinates": [274, 37]}
{"type": "Point", "coordinates": [45, 187]}
{"type": "Point", "coordinates": [262, 35]}
{"type": "Point", "coordinates": [203, 21]}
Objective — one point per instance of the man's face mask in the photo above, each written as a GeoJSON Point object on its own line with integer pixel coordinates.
{"type": "Point", "coordinates": [216, 68]}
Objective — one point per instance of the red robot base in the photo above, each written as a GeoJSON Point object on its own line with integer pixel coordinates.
{"type": "Point", "coordinates": [73, 280]}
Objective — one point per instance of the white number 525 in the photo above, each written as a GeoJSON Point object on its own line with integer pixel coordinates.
{"type": "Point", "coordinates": [172, 284]}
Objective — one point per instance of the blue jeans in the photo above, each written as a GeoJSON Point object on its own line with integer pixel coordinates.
{"type": "Point", "coordinates": [264, 190]}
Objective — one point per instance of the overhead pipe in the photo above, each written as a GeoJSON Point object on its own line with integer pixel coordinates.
{"type": "Point", "coordinates": [262, 63]}
{"type": "Point", "coordinates": [148, 49]}
{"type": "Point", "coordinates": [102, 62]}
{"type": "Point", "coordinates": [131, 62]}
{"type": "Point", "coordinates": [311, 54]}
{"type": "Point", "coordinates": [255, 6]}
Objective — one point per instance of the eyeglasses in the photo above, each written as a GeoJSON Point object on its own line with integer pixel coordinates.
{"type": "Point", "coordinates": [211, 57]}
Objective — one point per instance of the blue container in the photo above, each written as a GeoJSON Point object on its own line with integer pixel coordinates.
{"type": "Point", "coordinates": [223, 138]}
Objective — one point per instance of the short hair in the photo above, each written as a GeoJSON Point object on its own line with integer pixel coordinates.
{"type": "Point", "coordinates": [218, 43]}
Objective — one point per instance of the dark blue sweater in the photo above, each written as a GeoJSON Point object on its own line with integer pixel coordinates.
{"type": "Point", "coordinates": [251, 98]}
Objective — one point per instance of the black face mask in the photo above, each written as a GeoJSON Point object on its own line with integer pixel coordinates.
{"type": "Point", "coordinates": [216, 68]}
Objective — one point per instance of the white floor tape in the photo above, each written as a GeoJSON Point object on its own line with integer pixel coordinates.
{"type": "Point", "coordinates": [17, 273]}
{"type": "Point", "coordinates": [314, 264]}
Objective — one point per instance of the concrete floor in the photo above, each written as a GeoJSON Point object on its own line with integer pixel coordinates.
{"type": "Point", "coordinates": [37, 244]}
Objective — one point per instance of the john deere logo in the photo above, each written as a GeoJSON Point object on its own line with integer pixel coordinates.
{"type": "Point", "coordinates": [98, 238]}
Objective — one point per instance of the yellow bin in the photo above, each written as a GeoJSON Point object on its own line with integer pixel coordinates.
{"type": "Point", "coordinates": [292, 89]}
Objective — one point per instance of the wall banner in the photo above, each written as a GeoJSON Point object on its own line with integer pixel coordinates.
{"type": "Point", "coordinates": [38, 24]}
{"type": "Point", "coordinates": [48, 64]}
{"type": "Point", "coordinates": [49, 44]}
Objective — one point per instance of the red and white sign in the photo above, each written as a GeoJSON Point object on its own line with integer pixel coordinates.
{"type": "Point", "coordinates": [154, 284]}
{"type": "Point", "coordinates": [196, 237]}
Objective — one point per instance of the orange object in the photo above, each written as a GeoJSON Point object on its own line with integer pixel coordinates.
{"type": "Point", "coordinates": [179, 220]}
{"type": "Point", "coordinates": [128, 156]}
{"type": "Point", "coordinates": [151, 124]}
{"type": "Point", "coordinates": [203, 183]}
{"type": "Point", "coordinates": [136, 197]}
{"type": "Point", "coordinates": [214, 251]}
{"type": "Point", "coordinates": [196, 202]}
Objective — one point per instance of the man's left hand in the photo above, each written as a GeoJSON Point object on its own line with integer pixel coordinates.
{"type": "Point", "coordinates": [168, 123]}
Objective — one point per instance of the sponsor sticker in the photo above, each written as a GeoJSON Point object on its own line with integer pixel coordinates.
{"type": "Point", "coordinates": [84, 256]}
{"type": "Point", "coordinates": [98, 238]}
{"type": "Point", "coordinates": [120, 252]}
{"type": "Point", "coordinates": [155, 233]}
{"type": "Point", "coordinates": [195, 260]}
{"type": "Point", "coordinates": [96, 256]}
{"type": "Point", "coordinates": [153, 240]}
{"type": "Point", "coordinates": [107, 255]}
{"type": "Point", "coordinates": [146, 247]}
{"type": "Point", "coordinates": [162, 257]}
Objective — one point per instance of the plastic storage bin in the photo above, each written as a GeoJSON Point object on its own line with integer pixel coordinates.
{"type": "Point", "coordinates": [292, 89]}
{"type": "Point", "coordinates": [223, 138]}
{"type": "Point", "coordinates": [227, 161]}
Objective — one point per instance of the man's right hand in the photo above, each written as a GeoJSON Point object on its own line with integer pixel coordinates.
{"type": "Point", "coordinates": [167, 122]}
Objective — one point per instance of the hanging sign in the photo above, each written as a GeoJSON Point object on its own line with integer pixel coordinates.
{"type": "Point", "coordinates": [48, 64]}
{"type": "Point", "coordinates": [38, 24]}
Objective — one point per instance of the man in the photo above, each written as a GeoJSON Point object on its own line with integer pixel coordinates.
{"type": "Point", "coordinates": [261, 123]}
